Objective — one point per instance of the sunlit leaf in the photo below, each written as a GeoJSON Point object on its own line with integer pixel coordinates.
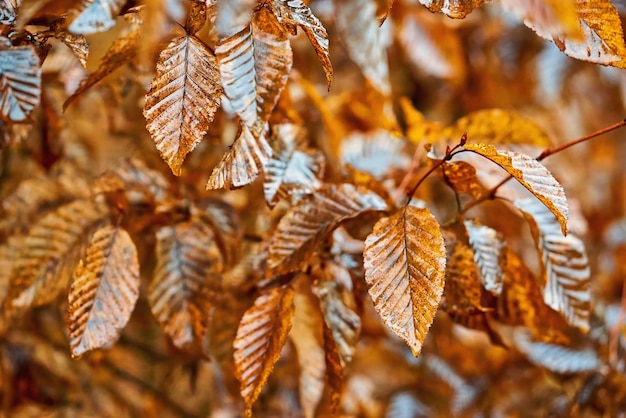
{"type": "Point", "coordinates": [489, 250]}
{"type": "Point", "coordinates": [356, 19]}
{"type": "Point", "coordinates": [183, 99]}
{"type": "Point", "coordinates": [8, 11]}
{"type": "Point", "coordinates": [462, 177]}
{"type": "Point", "coordinates": [20, 82]}
{"type": "Point", "coordinates": [186, 280]}
{"type": "Point", "coordinates": [260, 338]}
{"type": "Point", "coordinates": [96, 16]}
{"type": "Point", "coordinates": [243, 162]}
{"type": "Point", "coordinates": [307, 223]}
{"type": "Point", "coordinates": [405, 261]}
{"type": "Point", "coordinates": [104, 290]}
{"type": "Point", "coordinates": [532, 175]}
{"type": "Point", "coordinates": [292, 168]}
{"type": "Point", "coordinates": [565, 267]}
{"type": "Point", "coordinates": [456, 9]}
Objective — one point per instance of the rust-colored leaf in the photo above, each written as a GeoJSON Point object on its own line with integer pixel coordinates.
{"type": "Point", "coordinates": [104, 290]}
{"type": "Point", "coordinates": [532, 175]}
{"type": "Point", "coordinates": [331, 399]}
{"type": "Point", "coordinates": [260, 338]}
{"type": "Point", "coordinates": [307, 223]}
{"type": "Point", "coordinates": [405, 261]}
{"type": "Point", "coordinates": [20, 82]}
{"type": "Point", "coordinates": [186, 281]}
{"type": "Point", "coordinates": [462, 177]}
{"type": "Point", "coordinates": [183, 99]}
{"type": "Point", "coordinates": [226, 225]}
{"type": "Point", "coordinates": [196, 17]}
{"type": "Point", "coordinates": [489, 250]}
{"type": "Point", "coordinates": [456, 9]}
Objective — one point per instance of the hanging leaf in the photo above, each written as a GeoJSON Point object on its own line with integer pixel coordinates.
{"type": "Point", "coordinates": [49, 254]}
{"type": "Point", "coordinates": [260, 338]}
{"type": "Point", "coordinates": [104, 290]}
{"type": "Point", "coordinates": [456, 9]}
{"type": "Point", "coordinates": [293, 168]}
{"type": "Point", "coordinates": [307, 223]}
{"type": "Point", "coordinates": [462, 293]}
{"type": "Point", "coordinates": [565, 267]}
{"type": "Point", "coordinates": [186, 281]}
{"type": "Point", "coordinates": [331, 398]}
{"type": "Point", "coordinates": [405, 261]}
{"type": "Point", "coordinates": [183, 99]}
{"type": "Point", "coordinates": [293, 13]}
{"type": "Point", "coordinates": [243, 162]}
{"type": "Point", "coordinates": [549, 18]}
{"type": "Point", "coordinates": [20, 82]}
{"type": "Point", "coordinates": [489, 250]}
{"type": "Point", "coordinates": [96, 16]}
{"type": "Point", "coordinates": [462, 177]}
{"type": "Point", "coordinates": [532, 175]}
{"type": "Point", "coordinates": [8, 11]}
{"type": "Point", "coordinates": [464, 393]}
{"type": "Point", "coordinates": [356, 20]}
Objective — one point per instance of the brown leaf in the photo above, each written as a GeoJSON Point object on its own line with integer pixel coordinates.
{"type": "Point", "coordinates": [565, 267]}
{"type": "Point", "coordinates": [331, 399]}
{"type": "Point", "coordinates": [260, 338]}
{"type": "Point", "coordinates": [456, 9]}
{"type": "Point", "coordinates": [186, 281]}
{"type": "Point", "coordinates": [77, 44]}
{"type": "Point", "coordinates": [196, 17]}
{"type": "Point", "coordinates": [226, 225]}
{"type": "Point", "coordinates": [405, 261]}
{"type": "Point", "coordinates": [104, 290]}
{"type": "Point", "coordinates": [307, 223]}
{"type": "Point", "coordinates": [532, 175]}
{"type": "Point", "coordinates": [489, 250]}
{"type": "Point", "coordinates": [96, 16]}
{"type": "Point", "coordinates": [183, 98]}
{"type": "Point", "coordinates": [20, 82]}
{"type": "Point", "coordinates": [243, 162]}
{"type": "Point", "coordinates": [8, 11]}
{"type": "Point", "coordinates": [462, 177]}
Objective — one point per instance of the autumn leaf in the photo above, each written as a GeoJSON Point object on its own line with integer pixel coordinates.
{"type": "Point", "coordinates": [549, 18]}
{"type": "Point", "coordinates": [462, 293]}
{"type": "Point", "coordinates": [331, 398]}
{"type": "Point", "coordinates": [186, 281]}
{"type": "Point", "coordinates": [226, 224]}
{"type": "Point", "coordinates": [8, 11]}
{"type": "Point", "coordinates": [532, 175]}
{"type": "Point", "coordinates": [489, 250]}
{"type": "Point", "coordinates": [196, 17]}
{"type": "Point", "coordinates": [233, 16]}
{"type": "Point", "coordinates": [20, 82]}
{"type": "Point", "coordinates": [104, 290]}
{"type": "Point", "coordinates": [307, 223]}
{"type": "Point", "coordinates": [456, 9]}
{"type": "Point", "coordinates": [565, 267]}
{"type": "Point", "coordinates": [77, 44]}
{"type": "Point", "coordinates": [404, 260]}
{"type": "Point", "coordinates": [260, 338]}
{"type": "Point", "coordinates": [378, 153]}
{"type": "Point", "coordinates": [405, 405]}
{"type": "Point", "coordinates": [461, 176]}
{"type": "Point", "coordinates": [96, 16]}
{"type": "Point", "coordinates": [183, 99]}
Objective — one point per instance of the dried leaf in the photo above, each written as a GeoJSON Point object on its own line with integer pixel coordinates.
{"type": "Point", "coordinates": [405, 261]}
{"type": "Point", "coordinates": [532, 175]}
{"type": "Point", "coordinates": [462, 177]}
{"type": "Point", "coordinates": [377, 153]}
{"type": "Point", "coordinates": [489, 250]}
{"type": "Point", "coordinates": [96, 16]}
{"type": "Point", "coordinates": [131, 175]}
{"type": "Point", "coordinates": [104, 290]}
{"type": "Point", "coordinates": [565, 267]}
{"type": "Point", "coordinates": [243, 162]}
{"type": "Point", "coordinates": [297, 13]}
{"type": "Point", "coordinates": [45, 259]}
{"type": "Point", "coordinates": [293, 169]}
{"type": "Point", "coordinates": [226, 225]}
{"type": "Point", "coordinates": [456, 9]}
{"type": "Point", "coordinates": [233, 16]}
{"type": "Point", "coordinates": [20, 82]}
{"type": "Point", "coordinates": [8, 11]}
{"type": "Point", "coordinates": [307, 223]}
{"type": "Point", "coordinates": [331, 399]}
{"type": "Point", "coordinates": [186, 281]}
{"type": "Point", "coordinates": [197, 16]}
{"type": "Point", "coordinates": [77, 44]}
{"type": "Point", "coordinates": [549, 18]}
{"type": "Point", "coordinates": [356, 20]}
{"type": "Point", "coordinates": [183, 99]}
{"type": "Point", "coordinates": [260, 338]}
{"type": "Point", "coordinates": [462, 292]}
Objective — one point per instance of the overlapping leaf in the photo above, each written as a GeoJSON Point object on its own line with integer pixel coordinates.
{"type": "Point", "coordinates": [456, 9]}
{"type": "Point", "coordinates": [462, 177]}
{"type": "Point", "coordinates": [307, 223]}
{"type": "Point", "coordinates": [186, 281]}
{"type": "Point", "coordinates": [183, 99]}
{"type": "Point", "coordinates": [96, 16]}
{"type": "Point", "coordinates": [489, 250]}
{"type": "Point", "coordinates": [260, 338]}
{"type": "Point", "coordinates": [532, 175]}
{"type": "Point", "coordinates": [20, 82]}
{"type": "Point", "coordinates": [462, 292]}
{"type": "Point", "coordinates": [405, 261]}
{"type": "Point", "coordinates": [565, 267]}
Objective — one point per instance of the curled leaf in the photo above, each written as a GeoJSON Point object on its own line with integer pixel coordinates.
{"type": "Point", "coordinates": [20, 82]}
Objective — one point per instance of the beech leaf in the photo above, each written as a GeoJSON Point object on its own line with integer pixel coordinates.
{"type": "Point", "coordinates": [334, 375]}
{"type": "Point", "coordinates": [532, 175]}
{"type": "Point", "coordinates": [20, 82]}
{"type": "Point", "coordinates": [456, 9]}
{"type": "Point", "coordinates": [461, 176]}
{"type": "Point", "coordinates": [405, 261]}
{"type": "Point", "coordinates": [96, 16]}
{"type": "Point", "coordinates": [104, 290]}
{"type": "Point", "coordinates": [183, 99]}
{"type": "Point", "coordinates": [489, 250]}
{"type": "Point", "coordinates": [462, 292]}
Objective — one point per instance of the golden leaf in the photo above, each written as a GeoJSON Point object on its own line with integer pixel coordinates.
{"type": "Point", "coordinates": [462, 293]}
{"type": "Point", "coordinates": [243, 162]}
{"type": "Point", "coordinates": [461, 176]}
{"type": "Point", "coordinates": [186, 280]}
{"type": "Point", "coordinates": [549, 18]}
{"type": "Point", "coordinates": [48, 256]}
{"type": "Point", "coordinates": [357, 22]}
{"type": "Point", "coordinates": [132, 175]}
{"type": "Point", "coordinates": [293, 168]}
{"type": "Point", "coordinates": [96, 16]}
{"type": "Point", "coordinates": [532, 175]}
{"type": "Point", "coordinates": [307, 223]}
{"type": "Point", "coordinates": [183, 98]}
{"type": "Point", "coordinates": [456, 9]}
{"type": "Point", "coordinates": [565, 267]}
{"type": "Point", "coordinates": [260, 338]}
{"type": "Point", "coordinates": [20, 82]}
{"type": "Point", "coordinates": [104, 290]}
{"type": "Point", "coordinates": [405, 261]}
{"type": "Point", "coordinates": [490, 252]}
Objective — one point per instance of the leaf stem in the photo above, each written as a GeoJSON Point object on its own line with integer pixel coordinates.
{"type": "Point", "coordinates": [491, 194]}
